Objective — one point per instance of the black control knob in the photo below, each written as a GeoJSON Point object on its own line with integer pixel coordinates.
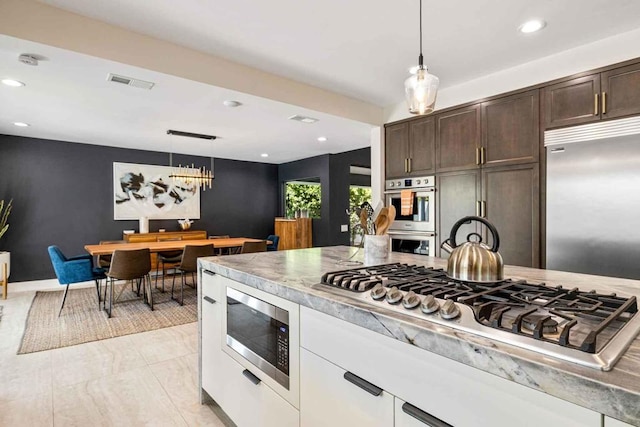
{"type": "Point", "coordinates": [411, 300]}
{"type": "Point", "coordinates": [429, 305]}
{"type": "Point", "coordinates": [394, 296]}
{"type": "Point", "coordinates": [449, 310]}
{"type": "Point", "coordinates": [378, 292]}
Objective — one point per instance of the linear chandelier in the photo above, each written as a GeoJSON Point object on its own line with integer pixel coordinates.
{"type": "Point", "coordinates": [190, 174]}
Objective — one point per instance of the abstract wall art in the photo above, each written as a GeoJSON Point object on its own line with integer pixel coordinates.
{"type": "Point", "coordinates": [148, 191]}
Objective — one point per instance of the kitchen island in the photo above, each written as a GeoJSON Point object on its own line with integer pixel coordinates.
{"type": "Point", "coordinates": [294, 276]}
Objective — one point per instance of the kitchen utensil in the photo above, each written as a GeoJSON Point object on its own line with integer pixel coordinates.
{"type": "Point", "coordinates": [363, 221]}
{"type": "Point", "coordinates": [474, 261]}
{"type": "Point", "coordinates": [382, 222]}
{"type": "Point", "coordinates": [391, 215]}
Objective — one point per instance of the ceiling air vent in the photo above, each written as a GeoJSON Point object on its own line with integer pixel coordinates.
{"type": "Point", "coordinates": [129, 81]}
{"type": "Point", "coordinates": [303, 119]}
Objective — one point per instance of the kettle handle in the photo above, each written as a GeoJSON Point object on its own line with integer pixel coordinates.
{"type": "Point", "coordinates": [467, 220]}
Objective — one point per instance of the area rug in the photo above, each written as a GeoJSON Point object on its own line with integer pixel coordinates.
{"type": "Point", "coordinates": [81, 321]}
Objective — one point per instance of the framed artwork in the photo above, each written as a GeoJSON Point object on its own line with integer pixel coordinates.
{"type": "Point", "coordinates": [147, 190]}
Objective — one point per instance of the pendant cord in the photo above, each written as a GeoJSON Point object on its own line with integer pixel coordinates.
{"type": "Point", "coordinates": [420, 60]}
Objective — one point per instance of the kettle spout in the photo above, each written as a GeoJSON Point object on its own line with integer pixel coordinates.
{"type": "Point", "coordinates": [447, 246]}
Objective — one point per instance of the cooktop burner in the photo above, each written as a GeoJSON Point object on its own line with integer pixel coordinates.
{"type": "Point", "coordinates": [584, 327]}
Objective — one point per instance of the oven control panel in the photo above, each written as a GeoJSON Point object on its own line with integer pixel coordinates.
{"type": "Point", "coordinates": [409, 183]}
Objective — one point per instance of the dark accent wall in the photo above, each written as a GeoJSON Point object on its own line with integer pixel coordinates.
{"type": "Point", "coordinates": [335, 178]}
{"type": "Point", "coordinates": [63, 194]}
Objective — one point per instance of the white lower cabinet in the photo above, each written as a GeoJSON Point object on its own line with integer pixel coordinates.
{"type": "Point", "coordinates": [450, 391]}
{"type": "Point", "coordinates": [248, 401]}
{"type": "Point", "coordinates": [211, 331]}
{"type": "Point", "coordinates": [612, 422]}
{"type": "Point", "coordinates": [331, 396]}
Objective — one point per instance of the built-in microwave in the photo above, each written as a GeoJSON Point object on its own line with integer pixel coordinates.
{"type": "Point", "coordinates": [259, 332]}
{"type": "Point", "coordinates": [422, 216]}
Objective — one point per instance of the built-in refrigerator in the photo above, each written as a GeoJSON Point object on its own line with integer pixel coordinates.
{"type": "Point", "coordinates": [593, 198]}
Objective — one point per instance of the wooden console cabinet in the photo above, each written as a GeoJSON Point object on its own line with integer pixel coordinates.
{"type": "Point", "coordinates": [294, 233]}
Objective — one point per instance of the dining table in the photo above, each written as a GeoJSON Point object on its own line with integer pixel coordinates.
{"type": "Point", "coordinates": [169, 245]}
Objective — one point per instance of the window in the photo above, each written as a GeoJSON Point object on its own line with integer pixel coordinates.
{"type": "Point", "coordinates": [303, 199]}
{"type": "Point", "coordinates": [357, 196]}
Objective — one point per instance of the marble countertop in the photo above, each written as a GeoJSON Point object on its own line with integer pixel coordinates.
{"type": "Point", "coordinates": [294, 274]}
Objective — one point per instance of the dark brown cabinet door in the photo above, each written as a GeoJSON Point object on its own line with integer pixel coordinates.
{"type": "Point", "coordinates": [458, 139]}
{"type": "Point", "coordinates": [621, 92]}
{"type": "Point", "coordinates": [422, 146]}
{"type": "Point", "coordinates": [396, 150]}
{"type": "Point", "coordinates": [511, 197]}
{"type": "Point", "coordinates": [510, 130]}
{"type": "Point", "coordinates": [458, 194]}
{"type": "Point", "coordinates": [572, 102]}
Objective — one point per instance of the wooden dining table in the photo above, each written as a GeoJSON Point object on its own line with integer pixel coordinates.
{"type": "Point", "coordinates": [169, 245]}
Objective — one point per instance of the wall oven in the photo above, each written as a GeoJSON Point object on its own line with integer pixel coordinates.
{"type": "Point", "coordinates": [422, 217]}
{"type": "Point", "coordinates": [258, 331]}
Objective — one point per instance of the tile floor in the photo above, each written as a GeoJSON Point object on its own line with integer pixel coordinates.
{"type": "Point", "coordinates": [142, 379]}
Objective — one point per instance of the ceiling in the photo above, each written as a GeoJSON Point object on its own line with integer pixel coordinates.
{"type": "Point", "coordinates": [360, 48]}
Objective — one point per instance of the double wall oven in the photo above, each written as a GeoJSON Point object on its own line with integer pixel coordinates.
{"type": "Point", "coordinates": [413, 232]}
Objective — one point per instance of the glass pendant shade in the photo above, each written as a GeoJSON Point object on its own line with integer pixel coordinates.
{"type": "Point", "coordinates": [420, 90]}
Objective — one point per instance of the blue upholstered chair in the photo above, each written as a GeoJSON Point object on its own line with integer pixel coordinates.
{"type": "Point", "coordinates": [74, 270]}
{"type": "Point", "coordinates": [275, 239]}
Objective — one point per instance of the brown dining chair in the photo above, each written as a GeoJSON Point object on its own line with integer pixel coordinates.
{"type": "Point", "coordinates": [166, 259]}
{"type": "Point", "coordinates": [130, 265]}
{"type": "Point", "coordinates": [222, 251]}
{"type": "Point", "coordinates": [104, 261]}
{"type": "Point", "coordinates": [251, 247]}
{"type": "Point", "coordinates": [189, 264]}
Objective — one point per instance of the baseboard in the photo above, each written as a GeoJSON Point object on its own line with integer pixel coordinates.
{"type": "Point", "coordinates": [44, 285]}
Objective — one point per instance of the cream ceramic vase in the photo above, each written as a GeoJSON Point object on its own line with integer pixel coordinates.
{"type": "Point", "coordinates": [5, 257]}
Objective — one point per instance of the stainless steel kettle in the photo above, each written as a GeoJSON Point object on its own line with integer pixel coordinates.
{"type": "Point", "coordinates": [474, 261]}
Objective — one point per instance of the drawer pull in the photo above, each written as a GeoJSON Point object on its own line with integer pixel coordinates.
{"type": "Point", "coordinates": [422, 416]}
{"type": "Point", "coordinates": [363, 384]}
{"type": "Point", "coordinates": [209, 299]}
{"type": "Point", "coordinates": [208, 273]}
{"type": "Point", "coordinates": [251, 377]}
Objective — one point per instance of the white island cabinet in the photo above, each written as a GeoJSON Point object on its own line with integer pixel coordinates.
{"type": "Point", "coordinates": [612, 422]}
{"type": "Point", "coordinates": [248, 403]}
{"type": "Point", "coordinates": [435, 388]}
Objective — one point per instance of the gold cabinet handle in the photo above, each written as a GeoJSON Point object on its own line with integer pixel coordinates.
{"type": "Point", "coordinates": [483, 156]}
{"type": "Point", "coordinates": [595, 104]}
{"type": "Point", "coordinates": [477, 207]}
{"type": "Point", "coordinates": [477, 155]}
{"type": "Point", "coordinates": [483, 209]}
{"type": "Point", "coordinates": [409, 164]}
{"type": "Point", "coordinates": [604, 102]}
{"type": "Point", "coordinates": [406, 168]}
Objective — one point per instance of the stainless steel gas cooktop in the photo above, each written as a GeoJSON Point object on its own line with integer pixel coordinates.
{"type": "Point", "coordinates": [587, 328]}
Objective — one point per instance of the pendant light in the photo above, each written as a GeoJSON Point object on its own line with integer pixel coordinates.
{"type": "Point", "coordinates": [421, 88]}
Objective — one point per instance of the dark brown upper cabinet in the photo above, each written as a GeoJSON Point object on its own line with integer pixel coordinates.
{"type": "Point", "coordinates": [611, 94]}
{"type": "Point", "coordinates": [620, 92]}
{"type": "Point", "coordinates": [510, 130]}
{"type": "Point", "coordinates": [410, 148]}
{"type": "Point", "coordinates": [458, 139]}
{"type": "Point", "coordinates": [396, 150]}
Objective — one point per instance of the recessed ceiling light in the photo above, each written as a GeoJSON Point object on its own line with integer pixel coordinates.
{"type": "Point", "coordinates": [12, 83]}
{"type": "Point", "coordinates": [231, 104]}
{"type": "Point", "coordinates": [21, 124]}
{"type": "Point", "coordinates": [532, 26]}
{"type": "Point", "coordinates": [322, 138]}
{"type": "Point", "coordinates": [264, 155]}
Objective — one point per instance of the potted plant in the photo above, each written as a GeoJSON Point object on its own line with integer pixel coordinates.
{"type": "Point", "coordinates": [5, 256]}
